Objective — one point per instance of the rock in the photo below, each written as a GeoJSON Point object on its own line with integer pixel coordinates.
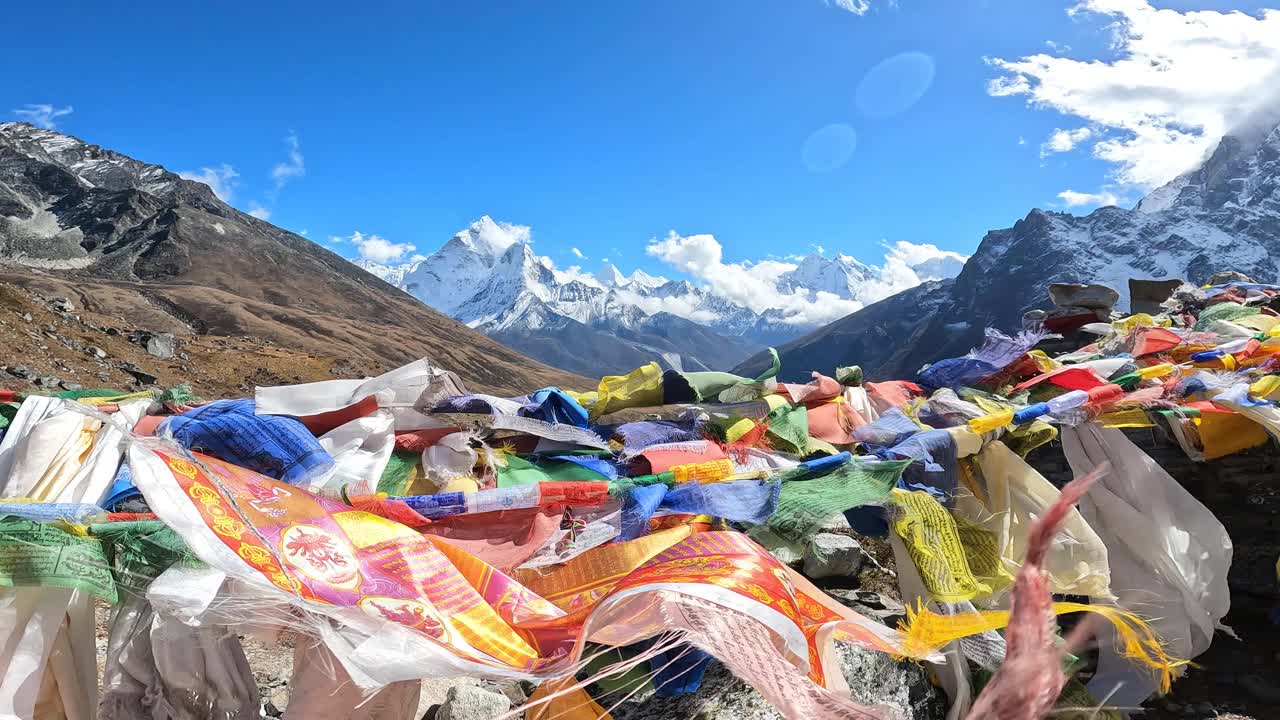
{"type": "Point", "coordinates": [1227, 276]}
{"type": "Point", "coordinates": [47, 381]}
{"type": "Point", "coordinates": [874, 679]}
{"type": "Point", "coordinates": [885, 609]}
{"type": "Point", "coordinates": [162, 345]}
{"type": "Point", "coordinates": [95, 351]}
{"type": "Point", "coordinates": [432, 713]}
{"type": "Point", "coordinates": [513, 690]}
{"type": "Point", "coordinates": [280, 699]}
{"type": "Point", "coordinates": [62, 305]}
{"type": "Point", "coordinates": [20, 371]}
{"type": "Point", "coordinates": [876, 605]}
{"type": "Point", "coordinates": [1146, 296]}
{"type": "Point", "coordinates": [831, 555]}
{"type": "Point", "coordinates": [27, 317]}
{"type": "Point", "coordinates": [184, 356]}
{"type": "Point", "coordinates": [141, 376]}
{"type": "Point", "coordinates": [838, 524]}
{"type": "Point", "coordinates": [468, 702]}
{"type": "Point", "coordinates": [71, 386]}
{"type": "Point", "coordinates": [113, 332]}
{"type": "Point", "coordinates": [270, 710]}
{"type": "Point", "coordinates": [1094, 297]}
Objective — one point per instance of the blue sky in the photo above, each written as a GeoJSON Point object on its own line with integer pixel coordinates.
{"type": "Point", "coordinates": [604, 125]}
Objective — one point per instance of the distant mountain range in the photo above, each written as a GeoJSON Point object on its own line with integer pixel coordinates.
{"type": "Point", "coordinates": [126, 238]}
{"type": "Point", "coordinates": [1224, 215]}
{"type": "Point", "coordinates": [131, 240]}
{"type": "Point", "coordinates": [493, 281]}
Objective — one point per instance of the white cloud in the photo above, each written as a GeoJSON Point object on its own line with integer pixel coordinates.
{"type": "Point", "coordinates": [685, 306]}
{"type": "Point", "coordinates": [1022, 140]}
{"type": "Point", "coordinates": [304, 232]}
{"type": "Point", "coordinates": [1177, 83]}
{"type": "Point", "coordinates": [43, 115]}
{"type": "Point", "coordinates": [577, 253]}
{"type": "Point", "coordinates": [755, 284]}
{"type": "Point", "coordinates": [1057, 46]}
{"type": "Point", "coordinates": [220, 179]}
{"type": "Point", "coordinates": [1072, 199]}
{"type": "Point", "coordinates": [752, 285]}
{"type": "Point", "coordinates": [417, 258]}
{"type": "Point", "coordinates": [516, 233]}
{"type": "Point", "coordinates": [573, 273]}
{"type": "Point", "coordinates": [916, 254]}
{"type": "Point", "coordinates": [1061, 141]}
{"type": "Point", "coordinates": [819, 249]}
{"type": "Point", "coordinates": [857, 7]}
{"type": "Point", "coordinates": [259, 212]}
{"type": "Point", "coordinates": [375, 247]}
{"type": "Point", "coordinates": [294, 167]}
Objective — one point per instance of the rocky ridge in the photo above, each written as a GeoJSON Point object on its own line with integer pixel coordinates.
{"type": "Point", "coordinates": [132, 240]}
{"type": "Point", "coordinates": [1224, 215]}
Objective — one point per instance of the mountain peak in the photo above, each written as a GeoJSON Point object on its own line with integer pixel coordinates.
{"type": "Point", "coordinates": [642, 279]}
{"type": "Point", "coordinates": [842, 276]}
{"type": "Point", "coordinates": [488, 237]}
{"type": "Point", "coordinates": [1241, 172]}
{"type": "Point", "coordinates": [1220, 216]}
{"type": "Point", "coordinates": [610, 276]}
{"type": "Point", "coordinates": [93, 166]}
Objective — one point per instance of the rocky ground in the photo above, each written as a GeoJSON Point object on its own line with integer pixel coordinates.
{"type": "Point", "coordinates": [52, 344]}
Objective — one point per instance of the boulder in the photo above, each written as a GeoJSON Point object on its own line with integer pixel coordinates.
{"type": "Point", "coordinates": [468, 702]}
{"type": "Point", "coordinates": [1227, 276]}
{"type": "Point", "coordinates": [831, 555]}
{"type": "Point", "coordinates": [62, 305]}
{"type": "Point", "coordinates": [162, 345]}
{"type": "Point", "coordinates": [1094, 297]}
{"type": "Point", "coordinates": [837, 524]}
{"type": "Point", "coordinates": [142, 377]}
{"type": "Point", "coordinates": [872, 604]}
{"type": "Point", "coordinates": [1145, 296]}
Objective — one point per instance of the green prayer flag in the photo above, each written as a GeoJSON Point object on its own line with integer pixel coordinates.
{"type": "Point", "coordinates": [398, 473]}
{"type": "Point", "coordinates": [1227, 311]}
{"type": "Point", "coordinates": [140, 550]}
{"type": "Point", "coordinates": [520, 471]}
{"type": "Point", "coordinates": [39, 554]}
{"type": "Point", "coordinates": [789, 428]}
{"type": "Point", "coordinates": [635, 680]}
{"type": "Point", "coordinates": [804, 505]}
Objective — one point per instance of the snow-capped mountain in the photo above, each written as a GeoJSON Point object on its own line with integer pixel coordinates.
{"type": "Point", "coordinates": [489, 277]}
{"type": "Point", "coordinates": [450, 275]}
{"type": "Point", "coordinates": [1224, 215]}
{"type": "Point", "coordinates": [842, 275]}
{"type": "Point", "coordinates": [393, 274]}
{"type": "Point", "coordinates": [134, 241]}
